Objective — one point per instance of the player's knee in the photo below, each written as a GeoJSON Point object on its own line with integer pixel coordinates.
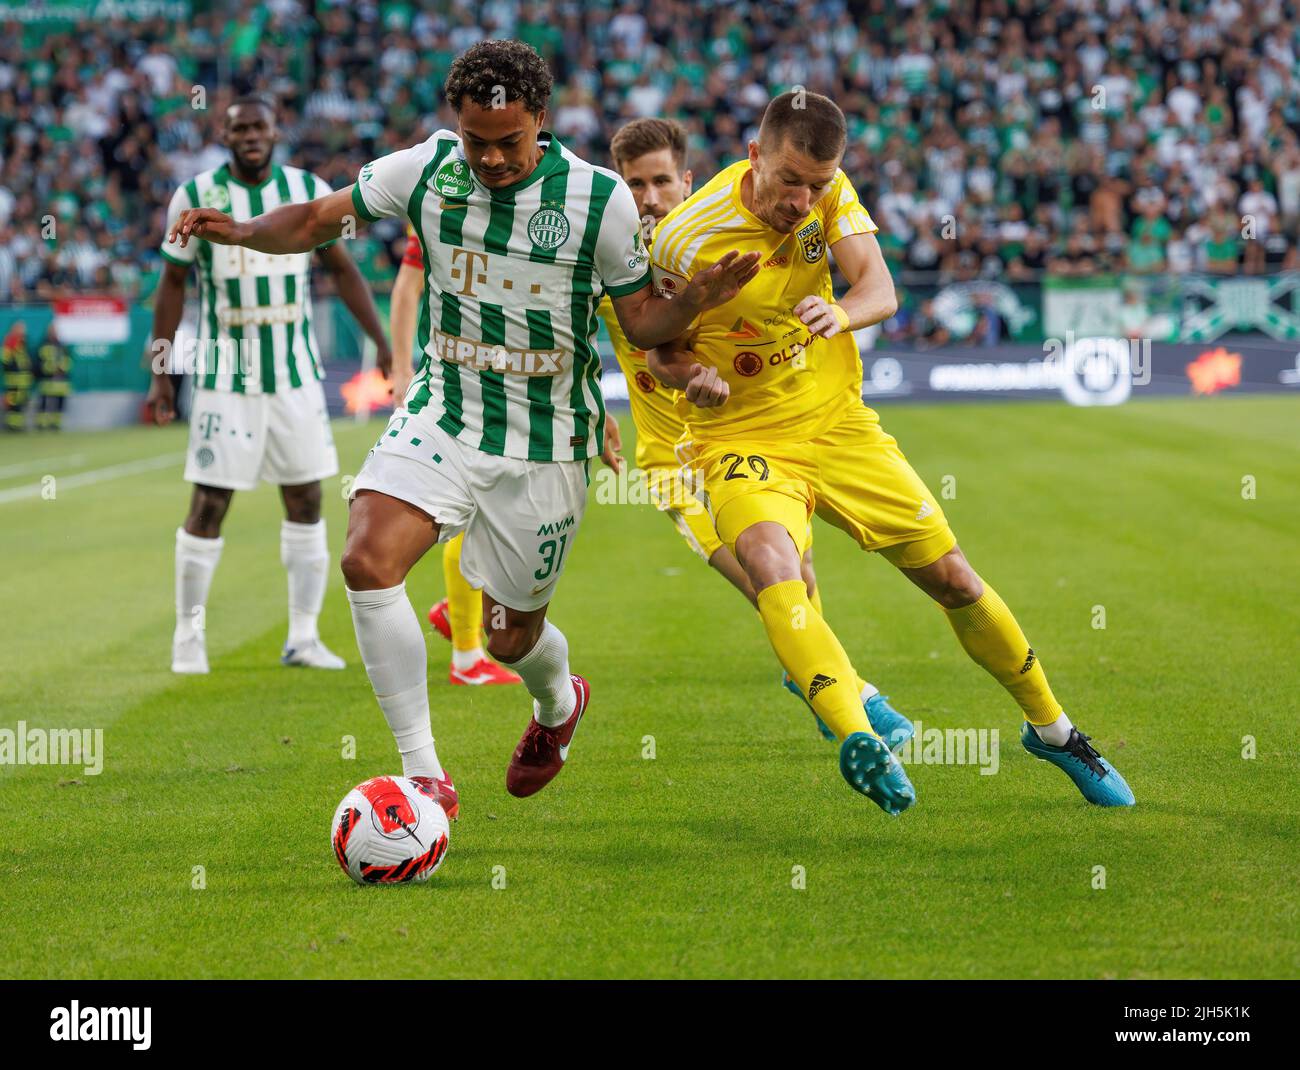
{"type": "Point", "coordinates": [302, 504]}
{"type": "Point", "coordinates": [513, 639]}
{"type": "Point", "coordinates": [365, 570]}
{"type": "Point", "coordinates": [953, 583]}
{"type": "Point", "coordinates": [768, 555]}
{"type": "Point", "coordinates": [207, 510]}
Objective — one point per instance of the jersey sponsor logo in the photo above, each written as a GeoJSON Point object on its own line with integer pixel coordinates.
{"type": "Point", "coordinates": [548, 227]}
{"type": "Point", "coordinates": [209, 423]}
{"type": "Point", "coordinates": [555, 527]}
{"type": "Point", "coordinates": [747, 363]}
{"type": "Point", "coordinates": [481, 356]}
{"type": "Point", "coordinates": [217, 197]}
{"type": "Point", "coordinates": [646, 382]}
{"type": "Point", "coordinates": [811, 242]}
{"type": "Point", "coordinates": [742, 328]}
{"type": "Point", "coordinates": [453, 179]}
{"type": "Point", "coordinates": [260, 315]}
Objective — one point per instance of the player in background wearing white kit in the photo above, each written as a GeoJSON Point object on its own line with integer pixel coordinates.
{"type": "Point", "coordinates": [258, 411]}
{"type": "Point", "coordinates": [521, 239]}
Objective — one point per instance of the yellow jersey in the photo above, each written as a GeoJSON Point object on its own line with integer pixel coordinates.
{"type": "Point", "coordinates": [785, 384]}
{"type": "Point", "coordinates": [654, 406]}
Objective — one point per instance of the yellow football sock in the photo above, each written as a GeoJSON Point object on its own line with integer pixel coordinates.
{"type": "Point", "coordinates": [464, 604]}
{"type": "Point", "coordinates": [813, 657]}
{"type": "Point", "coordinates": [992, 637]}
{"type": "Point", "coordinates": [816, 599]}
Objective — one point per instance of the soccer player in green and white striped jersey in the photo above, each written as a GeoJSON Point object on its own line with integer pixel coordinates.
{"type": "Point", "coordinates": [521, 240]}
{"type": "Point", "coordinates": [258, 411]}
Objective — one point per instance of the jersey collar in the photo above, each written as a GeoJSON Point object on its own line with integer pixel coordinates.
{"type": "Point", "coordinates": [225, 174]}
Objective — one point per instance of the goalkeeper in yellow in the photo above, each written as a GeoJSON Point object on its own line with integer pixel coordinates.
{"type": "Point", "coordinates": [650, 155]}
{"type": "Point", "coordinates": [776, 426]}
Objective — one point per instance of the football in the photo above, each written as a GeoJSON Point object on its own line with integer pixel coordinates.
{"type": "Point", "coordinates": [390, 830]}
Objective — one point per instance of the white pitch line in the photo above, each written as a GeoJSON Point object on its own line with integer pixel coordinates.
{"type": "Point", "coordinates": [95, 475]}
{"type": "Point", "coordinates": [47, 465]}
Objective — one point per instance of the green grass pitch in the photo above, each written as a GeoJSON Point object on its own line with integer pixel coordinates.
{"type": "Point", "coordinates": [684, 864]}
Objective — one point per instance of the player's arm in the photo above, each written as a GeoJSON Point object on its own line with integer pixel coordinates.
{"type": "Point", "coordinates": [291, 228]}
{"type": "Point", "coordinates": [403, 308]}
{"type": "Point", "coordinates": [869, 299]}
{"type": "Point", "coordinates": [851, 235]}
{"type": "Point", "coordinates": [356, 295]}
{"type": "Point", "coordinates": [622, 261]}
{"type": "Point", "coordinates": [650, 320]}
{"type": "Point", "coordinates": [674, 364]}
{"type": "Point", "coordinates": [168, 305]}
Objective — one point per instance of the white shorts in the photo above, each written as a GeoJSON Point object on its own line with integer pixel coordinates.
{"type": "Point", "coordinates": [283, 438]}
{"type": "Point", "coordinates": [519, 517]}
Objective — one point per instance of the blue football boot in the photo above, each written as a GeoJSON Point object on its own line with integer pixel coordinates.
{"type": "Point", "coordinates": [1095, 777]}
{"type": "Point", "coordinates": [872, 770]}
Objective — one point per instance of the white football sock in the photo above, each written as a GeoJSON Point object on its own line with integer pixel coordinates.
{"type": "Point", "coordinates": [392, 647]}
{"type": "Point", "coordinates": [545, 672]}
{"type": "Point", "coordinates": [466, 659]}
{"type": "Point", "coordinates": [869, 691]}
{"type": "Point", "coordinates": [1056, 734]}
{"type": "Point", "coordinates": [305, 555]}
{"type": "Point", "coordinates": [196, 561]}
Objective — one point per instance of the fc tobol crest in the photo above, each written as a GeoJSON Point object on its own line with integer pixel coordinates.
{"type": "Point", "coordinates": [811, 242]}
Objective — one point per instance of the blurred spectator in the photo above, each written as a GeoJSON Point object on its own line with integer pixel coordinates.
{"type": "Point", "coordinates": [996, 138]}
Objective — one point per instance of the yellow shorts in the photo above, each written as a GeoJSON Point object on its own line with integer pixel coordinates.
{"type": "Point", "coordinates": [853, 476]}
{"type": "Point", "coordinates": [672, 489]}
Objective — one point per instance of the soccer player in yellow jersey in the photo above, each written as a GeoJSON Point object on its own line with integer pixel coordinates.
{"type": "Point", "coordinates": [650, 155]}
{"type": "Point", "coordinates": [776, 424]}
{"type": "Point", "coordinates": [458, 618]}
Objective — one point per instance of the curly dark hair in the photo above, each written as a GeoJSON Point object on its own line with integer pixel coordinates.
{"type": "Point", "coordinates": [511, 65]}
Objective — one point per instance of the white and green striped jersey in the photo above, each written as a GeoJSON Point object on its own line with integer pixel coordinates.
{"type": "Point", "coordinates": [255, 318]}
{"type": "Point", "coordinates": [513, 277]}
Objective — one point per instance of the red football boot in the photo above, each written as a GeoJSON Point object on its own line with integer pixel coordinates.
{"type": "Point", "coordinates": [542, 751]}
{"type": "Point", "coordinates": [443, 792]}
{"type": "Point", "coordinates": [440, 621]}
{"type": "Point", "coordinates": [483, 671]}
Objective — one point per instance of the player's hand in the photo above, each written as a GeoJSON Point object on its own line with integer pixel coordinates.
{"type": "Point", "coordinates": [612, 454]}
{"type": "Point", "coordinates": [821, 317]}
{"type": "Point", "coordinates": [399, 381]}
{"type": "Point", "coordinates": [208, 224]}
{"type": "Point", "coordinates": [706, 388]}
{"type": "Point", "coordinates": [384, 360]}
{"type": "Point", "coordinates": [718, 284]}
{"type": "Point", "coordinates": [162, 400]}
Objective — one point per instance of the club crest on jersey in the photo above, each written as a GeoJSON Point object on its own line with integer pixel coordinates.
{"type": "Point", "coordinates": [548, 228]}
{"type": "Point", "coordinates": [747, 363]}
{"type": "Point", "coordinates": [452, 179]}
{"type": "Point", "coordinates": [646, 382]}
{"type": "Point", "coordinates": [217, 197]}
{"type": "Point", "coordinates": [811, 242]}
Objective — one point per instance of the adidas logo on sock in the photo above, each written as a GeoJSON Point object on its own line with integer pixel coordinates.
{"type": "Point", "coordinates": [1029, 662]}
{"type": "Point", "coordinates": [819, 683]}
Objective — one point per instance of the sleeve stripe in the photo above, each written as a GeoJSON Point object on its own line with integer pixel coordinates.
{"type": "Point", "coordinates": [360, 205]}
{"type": "Point", "coordinates": [677, 234]}
{"type": "Point", "coordinates": [687, 243]}
{"type": "Point", "coordinates": [629, 287]}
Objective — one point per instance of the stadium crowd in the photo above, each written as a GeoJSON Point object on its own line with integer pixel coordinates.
{"type": "Point", "coordinates": [989, 138]}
